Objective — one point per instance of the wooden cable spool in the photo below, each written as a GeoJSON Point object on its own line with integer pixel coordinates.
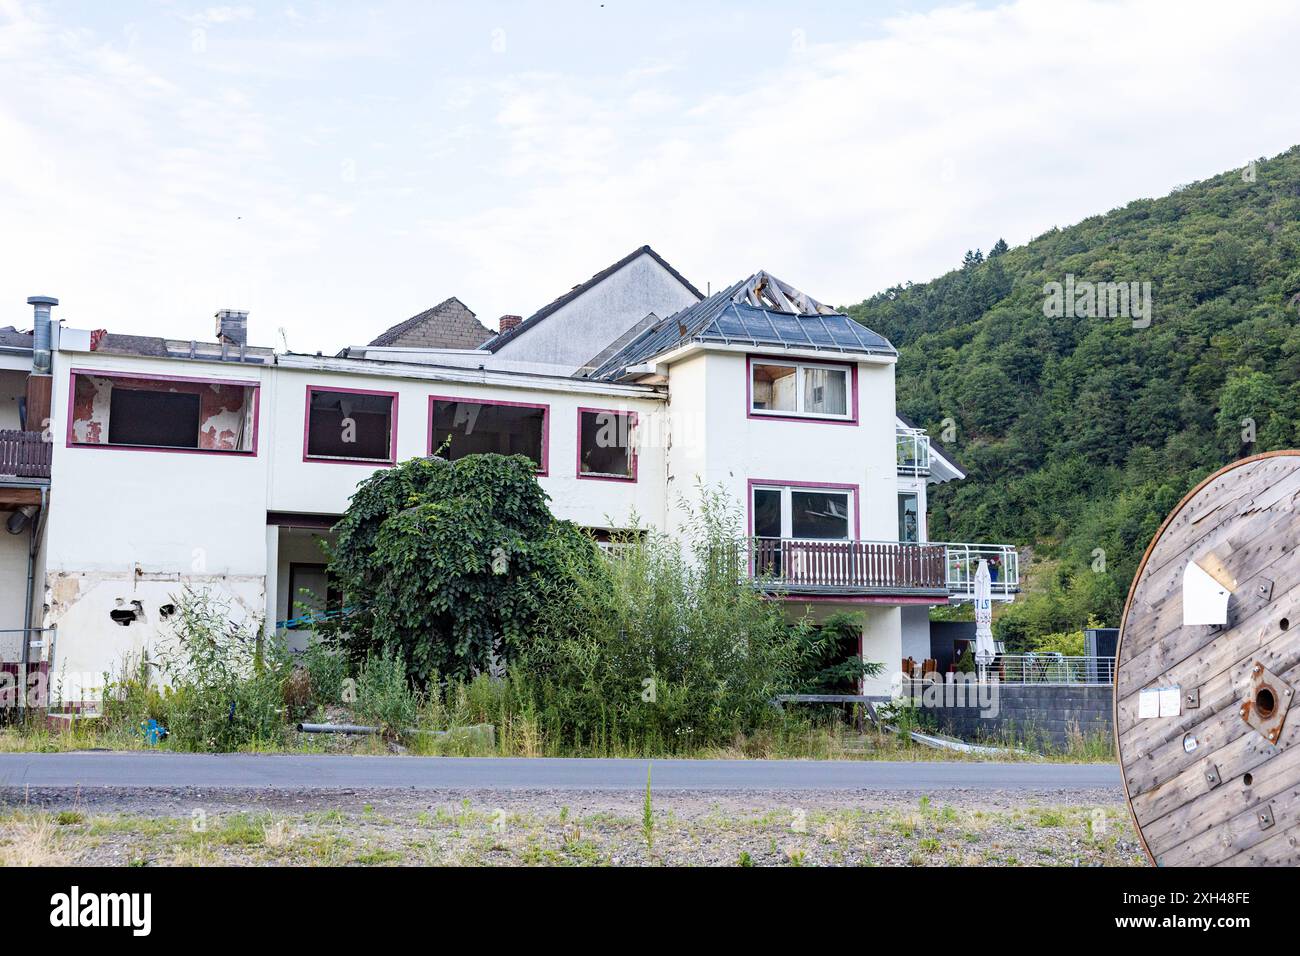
{"type": "Point", "coordinates": [1208, 748]}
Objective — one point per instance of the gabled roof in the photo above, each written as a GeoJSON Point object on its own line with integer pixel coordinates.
{"type": "Point", "coordinates": [448, 325]}
{"type": "Point", "coordinates": [730, 317]}
{"type": "Point", "coordinates": [503, 337]}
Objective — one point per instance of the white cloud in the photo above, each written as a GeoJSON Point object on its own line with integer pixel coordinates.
{"type": "Point", "coordinates": [338, 173]}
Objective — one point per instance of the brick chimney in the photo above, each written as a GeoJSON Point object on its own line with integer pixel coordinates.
{"type": "Point", "coordinates": [232, 327]}
{"type": "Point", "coordinates": [508, 322]}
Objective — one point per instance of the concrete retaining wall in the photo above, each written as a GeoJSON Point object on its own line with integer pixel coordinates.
{"type": "Point", "coordinates": [1034, 712]}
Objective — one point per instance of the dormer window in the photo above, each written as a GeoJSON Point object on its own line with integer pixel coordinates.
{"type": "Point", "coordinates": [815, 390]}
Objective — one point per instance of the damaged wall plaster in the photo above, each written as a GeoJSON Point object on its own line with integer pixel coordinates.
{"type": "Point", "coordinates": [225, 411]}
{"type": "Point", "coordinates": [106, 620]}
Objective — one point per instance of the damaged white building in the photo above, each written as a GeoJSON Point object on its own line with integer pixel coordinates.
{"type": "Point", "coordinates": [132, 466]}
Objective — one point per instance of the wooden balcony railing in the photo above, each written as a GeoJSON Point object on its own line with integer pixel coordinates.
{"type": "Point", "coordinates": [24, 454]}
{"type": "Point", "coordinates": [837, 566]}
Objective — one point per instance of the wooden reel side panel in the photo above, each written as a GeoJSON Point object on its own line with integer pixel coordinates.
{"type": "Point", "coordinates": [1216, 779]}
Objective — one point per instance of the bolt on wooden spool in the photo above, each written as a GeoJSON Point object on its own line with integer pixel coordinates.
{"type": "Point", "coordinates": [1207, 669]}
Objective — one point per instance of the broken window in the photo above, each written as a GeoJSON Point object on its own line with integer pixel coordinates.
{"type": "Point", "coordinates": [123, 410]}
{"type": "Point", "coordinates": [797, 388]}
{"type": "Point", "coordinates": [463, 427]}
{"type": "Point", "coordinates": [350, 425]}
{"type": "Point", "coordinates": [605, 444]}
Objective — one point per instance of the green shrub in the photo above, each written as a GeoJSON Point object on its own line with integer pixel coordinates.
{"type": "Point", "coordinates": [132, 697]}
{"type": "Point", "coordinates": [226, 679]}
{"type": "Point", "coordinates": [385, 698]}
{"type": "Point", "coordinates": [439, 561]}
{"type": "Point", "coordinates": [660, 648]}
{"type": "Point", "coordinates": [829, 660]}
{"type": "Point", "coordinates": [326, 668]}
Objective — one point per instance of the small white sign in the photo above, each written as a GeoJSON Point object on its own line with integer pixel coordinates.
{"type": "Point", "coordinates": [1171, 701]}
{"type": "Point", "coordinates": [1149, 704]}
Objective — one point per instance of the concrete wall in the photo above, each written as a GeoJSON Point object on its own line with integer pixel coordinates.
{"type": "Point", "coordinates": [579, 329]}
{"type": "Point", "coordinates": [1035, 712]}
{"type": "Point", "coordinates": [916, 634]}
{"type": "Point", "coordinates": [130, 526]}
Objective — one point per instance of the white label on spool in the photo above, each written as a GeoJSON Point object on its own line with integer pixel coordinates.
{"type": "Point", "coordinates": [1149, 703]}
{"type": "Point", "coordinates": [1171, 701]}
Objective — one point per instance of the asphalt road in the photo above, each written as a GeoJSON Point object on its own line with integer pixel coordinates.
{"type": "Point", "coordinates": [317, 772]}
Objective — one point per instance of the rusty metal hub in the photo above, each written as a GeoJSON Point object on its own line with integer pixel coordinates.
{"type": "Point", "coordinates": [1268, 698]}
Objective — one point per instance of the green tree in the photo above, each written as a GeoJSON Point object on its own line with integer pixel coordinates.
{"type": "Point", "coordinates": [443, 561]}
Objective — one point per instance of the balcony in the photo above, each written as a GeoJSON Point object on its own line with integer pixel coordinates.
{"type": "Point", "coordinates": [844, 568]}
{"type": "Point", "coordinates": [913, 446]}
{"type": "Point", "coordinates": [24, 454]}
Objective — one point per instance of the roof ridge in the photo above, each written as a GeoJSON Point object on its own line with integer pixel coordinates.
{"type": "Point", "coordinates": [393, 332]}
{"type": "Point", "coordinates": [501, 338]}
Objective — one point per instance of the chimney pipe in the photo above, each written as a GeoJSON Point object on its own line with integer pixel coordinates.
{"type": "Point", "coordinates": [232, 327]}
{"type": "Point", "coordinates": [41, 332]}
{"type": "Point", "coordinates": [508, 322]}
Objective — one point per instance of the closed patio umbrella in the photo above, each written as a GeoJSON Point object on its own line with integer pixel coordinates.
{"type": "Point", "coordinates": [984, 649]}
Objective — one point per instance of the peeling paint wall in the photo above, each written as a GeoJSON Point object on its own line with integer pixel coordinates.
{"type": "Point", "coordinates": [225, 411]}
{"type": "Point", "coordinates": [109, 620]}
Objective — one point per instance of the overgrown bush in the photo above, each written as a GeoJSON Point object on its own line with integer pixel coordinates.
{"type": "Point", "coordinates": [226, 680]}
{"type": "Point", "coordinates": [385, 697]}
{"type": "Point", "coordinates": [326, 669]}
{"type": "Point", "coordinates": [829, 661]}
{"type": "Point", "coordinates": [439, 560]}
{"type": "Point", "coordinates": [661, 647]}
{"type": "Point", "coordinates": [131, 697]}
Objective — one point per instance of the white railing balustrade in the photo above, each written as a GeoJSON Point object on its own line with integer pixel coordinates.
{"type": "Point", "coordinates": [913, 451]}
{"type": "Point", "coordinates": [963, 560]}
{"type": "Point", "coordinates": [1052, 668]}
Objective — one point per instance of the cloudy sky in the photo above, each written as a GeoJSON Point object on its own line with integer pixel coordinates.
{"type": "Point", "coordinates": [337, 167]}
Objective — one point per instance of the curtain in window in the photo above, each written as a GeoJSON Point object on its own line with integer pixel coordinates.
{"type": "Point", "coordinates": [825, 391]}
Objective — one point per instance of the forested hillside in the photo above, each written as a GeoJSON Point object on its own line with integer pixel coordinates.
{"type": "Point", "coordinates": [1082, 433]}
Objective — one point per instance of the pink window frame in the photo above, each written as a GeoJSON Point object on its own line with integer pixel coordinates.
{"type": "Point", "coordinates": [544, 470]}
{"type": "Point", "coordinates": [631, 430]}
{"type": "Point", "coordinates": [810, 485]}
{"type": "Point", "coordinates": [329, 460]}
{"type": "Point", "coordinates": [71, 442]}
{"type": "Point", "coordinates": [788, 360]}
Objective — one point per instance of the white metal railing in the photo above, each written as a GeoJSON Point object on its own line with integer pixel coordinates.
{"type": "Point", "coordinates": [963, 561]}
{"type": "Point", "coordinates": [913, 446]}
{"type": "Point", "coordinates": [1049, 667]}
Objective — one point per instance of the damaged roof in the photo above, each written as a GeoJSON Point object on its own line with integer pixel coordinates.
{"type": "Point", "coordinates": [760, 311]}
{"type": "Point", "coordinates": [448, 325]}
{"type": "Point", "coordinates": [503, 337]}
{"type": "Point", "coordinates": [11, 338]}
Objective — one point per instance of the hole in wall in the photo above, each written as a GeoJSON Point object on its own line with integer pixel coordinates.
{"type": "Point", "coordinates": [1247, 780]}
{"type": "Point", "coordinates": [166, 610]}
{"type": "Point", "coordinates": [1265, 702]}
{"type": "Point", "coordinates": [125, 614]}
{"type": "Point", "coordinates": [1284, 623]}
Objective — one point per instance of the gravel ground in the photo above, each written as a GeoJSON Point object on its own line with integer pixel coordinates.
{"type": "Point", "coordinates": [116, 827]}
